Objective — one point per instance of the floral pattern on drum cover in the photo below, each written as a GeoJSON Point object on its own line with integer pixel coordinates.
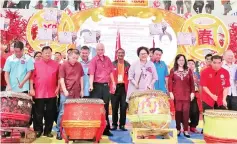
{"type": "Point", "coordinates": [14, 109]}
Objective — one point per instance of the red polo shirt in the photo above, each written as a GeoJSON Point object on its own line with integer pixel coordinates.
{"type": "Point", "coordinates": [3, 82]}
{"type": "Point", "coordinates": [45, 76]}
{"type": "Point", "coordinates": [72, 77]}
{"type": "Point", "coordinates": [101, 69]}
{"type": "Point", "coordinates": [215, 81]}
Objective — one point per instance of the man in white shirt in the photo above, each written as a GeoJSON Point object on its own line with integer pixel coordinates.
{"type": "Point", "coordinates": [231, 68]}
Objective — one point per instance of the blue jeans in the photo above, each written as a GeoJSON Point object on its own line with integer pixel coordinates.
{"type": "Point", "coordinates": [61, 110]}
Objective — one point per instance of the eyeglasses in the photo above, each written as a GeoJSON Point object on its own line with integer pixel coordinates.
{"type": "Point", "coordinates": [143, 53]}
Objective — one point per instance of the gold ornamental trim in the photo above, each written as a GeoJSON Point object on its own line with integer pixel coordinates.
{"type": "Point", "coordinates": [80, 123]}
{"type": "Point", "coordinates": [148, 92]}
{"type": "Point", "coordinates": [221, 113]}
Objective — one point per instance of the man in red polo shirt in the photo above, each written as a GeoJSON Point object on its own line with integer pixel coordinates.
{"type": "Point", "coordinates": [71, 82]}
{"type": "Point", "coordinates": [101, 72]}
{"type": "Point", "coordinates": [45, 91]}
{"type": "Point", "coordinates": [215, 83]}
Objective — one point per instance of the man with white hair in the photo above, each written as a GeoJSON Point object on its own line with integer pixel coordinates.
{"type": "Point", "coordinates": [101, 73]}
{"type": "Point", "coordinates": [231, 67]}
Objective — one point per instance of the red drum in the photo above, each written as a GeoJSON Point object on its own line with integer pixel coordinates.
{"type": "Point", "coordinates": [84, 119]}
{"type": "Point", "coordinates": [15, 109]}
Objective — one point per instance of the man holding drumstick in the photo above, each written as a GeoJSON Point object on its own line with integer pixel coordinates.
{"type": "Point", "coordinates": [215, 82]}
{"type": "Point", "coordinates": [18, 68]}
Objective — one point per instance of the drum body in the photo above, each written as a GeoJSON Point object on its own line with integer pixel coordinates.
{"type": "Point", "coordinates": [15, 109]}
{"type": "Point", "coordinates": [220, 126]}
{"type": "Point", "coordinates": [149, 109]}
{"type": "Point", "coordinates": [84, 119]}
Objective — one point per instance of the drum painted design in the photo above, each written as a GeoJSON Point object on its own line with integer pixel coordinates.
{"type": "Point", "coordinates": [149, 109]}
{"type": "Point", "coordinates": [15, 109]}
{"type": "Point", "coordinates": [84, 119]}
{"type": "Point", "coordinates": [220, 126]}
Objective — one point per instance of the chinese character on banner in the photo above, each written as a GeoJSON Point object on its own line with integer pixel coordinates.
{"type": "Point", "coordinates": [205, 37]}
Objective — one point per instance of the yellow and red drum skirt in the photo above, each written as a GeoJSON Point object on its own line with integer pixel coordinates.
{"type": "Point", "coordinates": [220, 126]}
{"type": "Point", "coordinates": [84, 119]}
{"type": "Point", "coordinates": [149, 109]}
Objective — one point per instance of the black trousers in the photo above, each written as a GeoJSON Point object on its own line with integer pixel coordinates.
{"type": "Point", "coordinates": [77, 4]}
{"type": "Point", "coordinates": [180, 7]}
{"type": "Point", "coordinates": [3, 88]}
{"type": "Point", "coordinates": [188, 4]}
{"type": "Point", "coordinates": [198, 6]}
{"type": "Point", "coordinates": [119, 100]}
{"type": "Point", "coordinates": [40, 104]}
{"type": "Point", "coordinates": [63, 4]}
{"type": "Point", "coordinates": [57, 109]}
{"type": "Point", "coordinates": [23, 4]}
{"type": "Point", "coordinates": [194, 113]}
{"type": "Point", "coordinates": [231, 102]}
{"type": "Point", "coordinates": [167, 4]}
{"type": "Point", "coordinates": [101, 91]}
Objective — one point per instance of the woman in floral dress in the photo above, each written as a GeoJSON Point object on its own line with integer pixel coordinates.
{"type": "Point", "coordinates": [181, 90]}
{"type": "Point", "coordinates": [142, 74]}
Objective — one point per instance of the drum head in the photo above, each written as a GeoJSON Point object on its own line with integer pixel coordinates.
{"type": "Point", "coordinates": [147, 93]}
{"type": "Point", "coordinates": [85, 100]}
{"type": "Point", "coordinates": [15, 94]}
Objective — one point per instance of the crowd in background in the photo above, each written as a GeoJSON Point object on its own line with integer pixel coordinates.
{"type": "Point", "coordinates": [50, 82]}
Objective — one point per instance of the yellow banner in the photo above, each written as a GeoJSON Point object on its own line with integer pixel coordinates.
{"type": "Point", "coordinates": [126, 2]}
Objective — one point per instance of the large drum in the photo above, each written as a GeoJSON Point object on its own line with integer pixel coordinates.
{"type": "Point", "coordinates": [149, 109]}
{"type": "Point", "coordinates": [84, 119]}
{"type": "Point", "coordinates": [220, 126]}
{"type": "Point", "coordinates": [15, 109]}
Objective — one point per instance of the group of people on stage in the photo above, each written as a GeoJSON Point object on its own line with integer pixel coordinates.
{"type": "Point", "coordinates": [44, 79]}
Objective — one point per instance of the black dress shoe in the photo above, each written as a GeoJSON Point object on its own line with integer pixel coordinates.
{"type": "Point", "coordinates": [179, 132]}
{"type": "Point", "coordinates": [38, 134]}
{"type": "Point", "coordinates": [186, 135]}
{"type": "Point", "coordinates": [59, 137]}
{"type": "Point", "coordinates": [48, 135]}
{"type": "Point", "coordinates": [107, 133]}
{"type": "Point", "coordinates": [122, 128]}
{"type": "Point", "coordinates": [114, 128]}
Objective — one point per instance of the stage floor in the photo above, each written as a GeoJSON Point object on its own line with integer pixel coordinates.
{"type": "Point", "coordinates": [124, 137]}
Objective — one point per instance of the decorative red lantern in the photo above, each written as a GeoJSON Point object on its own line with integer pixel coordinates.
{"type": "Point", "coordinates": [173, 8]}
{"type": "Point", "coordinates": [82, 6]}
{"type": "Point", "coordinates": [96, 3]}
{"type": "Point", "coordinates": [156, 4]}
{"type": "Point", "coordinates": [187, 15]}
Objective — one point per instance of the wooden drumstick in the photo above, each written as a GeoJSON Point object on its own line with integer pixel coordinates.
{"type": "Point", "coordinates": [18, 81]}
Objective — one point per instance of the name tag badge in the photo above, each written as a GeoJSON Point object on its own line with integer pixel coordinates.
{"type": "Point", "coordinates": [22, 62]}
{"type": "Point", "coordinates": [120, 78]}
